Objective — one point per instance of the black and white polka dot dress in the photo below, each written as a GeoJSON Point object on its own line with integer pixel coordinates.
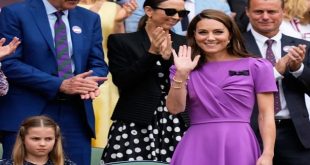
{"type": "Point", "coordinates": [157, 141]}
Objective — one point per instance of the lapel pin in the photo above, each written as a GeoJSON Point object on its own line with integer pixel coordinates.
{"type": "Point", "coordinates": [77, 29]}
{"type": "Point", "coordinates": [286, 48]}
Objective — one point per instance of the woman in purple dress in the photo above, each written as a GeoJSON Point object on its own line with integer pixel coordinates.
{"type": "Point", "coordinates": [219, 81]}
{"type": "Point", "coordinates": [5, 51]}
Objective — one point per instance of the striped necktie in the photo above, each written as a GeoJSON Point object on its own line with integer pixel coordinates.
{"type": "Point", "coordinates": [270, 57]}
{"type": "Point", "coordinates": [62, 48]}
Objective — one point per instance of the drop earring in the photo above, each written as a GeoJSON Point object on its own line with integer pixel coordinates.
{"type": "Point", "coordinates": [228, 44]}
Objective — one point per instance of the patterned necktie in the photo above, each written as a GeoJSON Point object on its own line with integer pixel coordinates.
{"type": "Point", "coordinates": [270, 56]}
{"type": "Point", "coordinates": [62, 48]}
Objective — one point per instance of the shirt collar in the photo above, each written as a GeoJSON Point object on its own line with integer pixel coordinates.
{"type": "Point", "coordinates": [49, 162]}
{"type": "Point", "coordinates": [50, 9]}
{"type": "Point", "coordinates": [262, 39]}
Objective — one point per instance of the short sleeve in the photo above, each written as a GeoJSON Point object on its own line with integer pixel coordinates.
{"type": "Point", "coordinates": [263, 77]}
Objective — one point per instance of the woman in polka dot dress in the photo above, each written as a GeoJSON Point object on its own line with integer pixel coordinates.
{"type": "Point", "coordinates": [143, 129]}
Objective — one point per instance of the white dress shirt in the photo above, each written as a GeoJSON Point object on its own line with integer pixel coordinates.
{"type": "Point", "coordinates": [276, 48]}
{"type": "Point", "coordinates": [50, 10]}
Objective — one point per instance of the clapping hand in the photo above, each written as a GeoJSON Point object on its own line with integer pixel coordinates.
{"type": "Point", "coordinates": [292, 60]}
{"type": "Point", "coordinates": [157, 37]}
{"type": "Point", "coordinates": [8, 49]}
{"type": "Point", "coordinates": [166, 47]}
{"type": "Point", "coordinates": [297, 56]}
{"type": "Point", "coordinates": [161, 43]}
{"type": "Point", "coordinates": [83, 84]}
{"type": "Point", "coordinates": [127, 9]}
{"type": "Point", "coordinates": [96, 93]}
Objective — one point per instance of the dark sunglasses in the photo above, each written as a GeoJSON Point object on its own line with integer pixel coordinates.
{"type": "Point", "coordinates": [172, 12]}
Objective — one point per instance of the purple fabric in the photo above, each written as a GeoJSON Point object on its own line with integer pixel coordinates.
{"type": "Point", "coordinates": [4, 86]}
{"type": "Point", "coordinates": [62, 48]}
{"type": "Point", "coordinates": [220, 107]}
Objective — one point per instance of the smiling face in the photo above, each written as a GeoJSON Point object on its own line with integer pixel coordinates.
{"type": "Point", "coordinates": [158, 17]}
{"type": "Point", "coordinates": [64, 4]}
{"type": "Point", "coordinates": [39, 142]}
{"type": "Point", "coordinates": [265, 16]}
{"type": "Point", "coordinates": [212, 37]}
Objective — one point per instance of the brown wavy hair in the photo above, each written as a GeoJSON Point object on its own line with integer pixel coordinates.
{"type": "Point", "coordinates": [236, 45]}
{"type": "Point", "coordinates": [19, 150]}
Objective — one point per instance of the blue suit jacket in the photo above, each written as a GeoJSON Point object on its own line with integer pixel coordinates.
{"type": "Point", "coordinates": [32, 69]}
{"type": "Point", "coordinates": [293, 88]}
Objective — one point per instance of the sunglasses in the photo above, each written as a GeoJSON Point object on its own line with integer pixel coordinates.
{"type": "Point", "coordinates": [172, 12]}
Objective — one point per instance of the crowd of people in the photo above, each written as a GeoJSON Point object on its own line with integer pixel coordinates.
{"type": "Point", "coordinates": [173, 81]}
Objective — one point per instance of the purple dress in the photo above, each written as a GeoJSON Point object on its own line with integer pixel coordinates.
{"type": "Point", "coordinates": [221, 96]}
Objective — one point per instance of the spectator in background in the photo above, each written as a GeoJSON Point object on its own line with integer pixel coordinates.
{"type": "Point", "coordinates": [5, 51]}
{"type": "Point", "coordinates": [38, 141]}
{"type": "Point", "coordinates": [55, 71]}
{"type": "Point", "coordinates": [195, 7]}
{"type": "Point", "coordinates": [290, 57]}
{"type": "Point", "coordinates": [112, 18]}
{"type": "Point", "coordinates": [238, 7]}
{"type": "Point", "coordinates": [220, 82]}
{"type": "Point", "coordinates": [139, 62]}
{"type": "Point", "coordinates": [296, 23]}
{"type": "Point", "coordinates": [131, 23]}
{"type": "Point", "coordinates": [296, 20]}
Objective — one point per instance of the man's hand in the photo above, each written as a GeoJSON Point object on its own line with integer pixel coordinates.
{"type": "Point", "coordinates": [96, 93]}
{"type": "Point", "coordinates": [81, 84]}
{"type": "Point", "coordinates": [297, 56]}
{"type": "Point", "coordinates": [282, 64]}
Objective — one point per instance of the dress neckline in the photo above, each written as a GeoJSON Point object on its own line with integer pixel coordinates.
{"type": "Point", "coordinates": [228, 61]}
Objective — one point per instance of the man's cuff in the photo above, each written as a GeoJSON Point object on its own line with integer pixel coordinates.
{"type": "Point", "coordinates": [298, 72]}
{"type": "Point", "coordinates": [277, 75]}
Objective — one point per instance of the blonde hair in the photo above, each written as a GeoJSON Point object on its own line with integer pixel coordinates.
{"type": "Point", "coordinates": [19, 150]}
{"type": "Point", "coordinates": [296, 9]}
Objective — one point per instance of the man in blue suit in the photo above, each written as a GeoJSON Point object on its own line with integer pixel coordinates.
{"type": "Point", "coordinates": [36, 86]}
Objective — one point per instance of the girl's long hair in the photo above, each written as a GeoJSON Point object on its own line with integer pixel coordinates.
{"type": "Point", "coordinates": [19, 150]}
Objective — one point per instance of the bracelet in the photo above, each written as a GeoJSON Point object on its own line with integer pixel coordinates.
{"type": "Point", "coordinates": [175, 87]}
{"type": "Point", "coordinates": [177, 81]}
